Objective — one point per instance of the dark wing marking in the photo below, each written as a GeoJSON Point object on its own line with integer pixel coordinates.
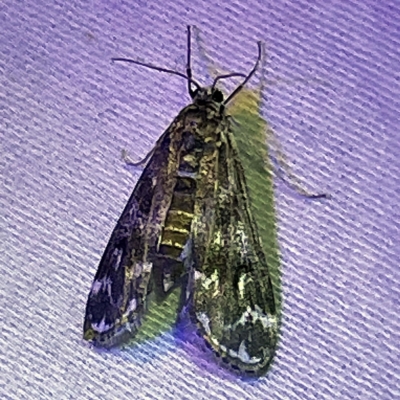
{"type": "Point", "coordinates": [233, 303]}
{"type": "Point", "coordinates": [117, 299]}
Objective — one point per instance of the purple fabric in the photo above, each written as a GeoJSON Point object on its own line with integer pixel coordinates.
{"type": "Point", "coordinates": [67, 112]}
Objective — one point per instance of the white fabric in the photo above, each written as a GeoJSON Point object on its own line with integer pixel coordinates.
{"type": "Point", "coordinates": [66, 113]}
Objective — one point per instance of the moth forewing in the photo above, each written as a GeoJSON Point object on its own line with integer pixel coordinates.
{"type": "Point", "coordinates": [117, 299]}
{"type": "Point", "coordinates": [232, 302]}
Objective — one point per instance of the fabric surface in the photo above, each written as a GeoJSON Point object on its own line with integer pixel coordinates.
{"type": "Point", "coordinates": [66, 114]}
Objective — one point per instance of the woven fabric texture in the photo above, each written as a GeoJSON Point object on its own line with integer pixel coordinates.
{"type": "Point", "coordinates": [332, 99]}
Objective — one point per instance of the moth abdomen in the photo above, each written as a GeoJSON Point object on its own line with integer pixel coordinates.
{"type": "Point", "coordinates": [168, 265]}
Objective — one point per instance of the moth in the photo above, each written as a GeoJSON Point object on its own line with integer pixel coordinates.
{"type": "Point", "coordinates": [189, 223]}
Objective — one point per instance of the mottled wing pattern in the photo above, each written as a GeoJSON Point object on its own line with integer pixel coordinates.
{"type": "Point", "coordinates": [233, 302]}
{"type": "Point", "coordinates": [117, 299]}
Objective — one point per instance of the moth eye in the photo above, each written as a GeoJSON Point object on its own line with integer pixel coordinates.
{"type": "Point", "coordinates": [218, 96]}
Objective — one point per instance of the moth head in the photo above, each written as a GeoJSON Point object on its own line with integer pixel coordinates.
{"type": "Point", "coordinates": [208, 95]}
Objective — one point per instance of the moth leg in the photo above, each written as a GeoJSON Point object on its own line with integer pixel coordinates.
{"type": "Point", "coordinates": [128, 161]}
{"type": "Point", "coordinates": [291, 179]}
{"type": "Point", "coordinates": [212, 67]}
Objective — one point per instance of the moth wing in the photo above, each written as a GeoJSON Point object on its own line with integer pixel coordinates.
{"type": "Point", "coordinates": [233, 302]}
{"type": "Point", "coordinates": [117, 299]}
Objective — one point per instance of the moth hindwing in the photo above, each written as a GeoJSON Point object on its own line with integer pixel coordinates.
{"type": "Point", "coordinates": [189, 222]}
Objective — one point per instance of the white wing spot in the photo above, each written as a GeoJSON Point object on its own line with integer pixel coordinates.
{"type": "Point", "coordinates": [186, 174]}
{"type": "Point", "coordinates": [243, 239]}
{"type": "Point", "coordinates": [147, 267]}
{"type": "Point", "coordinates": [214, 340]}
{"type": "Point", "coordinates": [253, 316]}
{"type": "Point", "coordinates": [198, 275]}
{"type": "Point", "coordinates": [205, 321]}
{"type": "Point", "coordinates": [244, 356]}
{"type": "Point", "coordinates": [132, 305]}
{"type": "Point", "coordinates": [242, 352]}
{"type": "Point", "coordinates": [186, 254]}
{"type": "Point", "coordinates": [117, 254]}
{"type": "Point", "coordinates": [213, 280]}
{"type": "Point", "coordinates": [142, 267]}
{"type": "Point", "coordinates": [102, 284]}
{"type": "Point", "coordinates": [167, 283]}
{"type": "Point", "coordinates": [242, 285]}
{"type": "Point", "coordinates": [233, 353]}
{"type": "Point", "coordinates": [102, 326]}
{"type": "Point", "coordinates": [267, 320]}
{"type": "Point", "coordinates": [96, 287]}
{"type": "Point", "coordinates": [217, 238]}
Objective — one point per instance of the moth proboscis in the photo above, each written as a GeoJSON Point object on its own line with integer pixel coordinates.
{"type": "Point", "coordinates": [188, 222]}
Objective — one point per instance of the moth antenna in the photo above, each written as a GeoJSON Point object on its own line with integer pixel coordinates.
{"type": "Point", "coordinates": [188, 61]}
{"type": "Point", "coordinates": [160, 69]}
{"type": "Point", "coordinates": [240, 87]}
{"type": "Point", "coordinates": [233, 74]}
